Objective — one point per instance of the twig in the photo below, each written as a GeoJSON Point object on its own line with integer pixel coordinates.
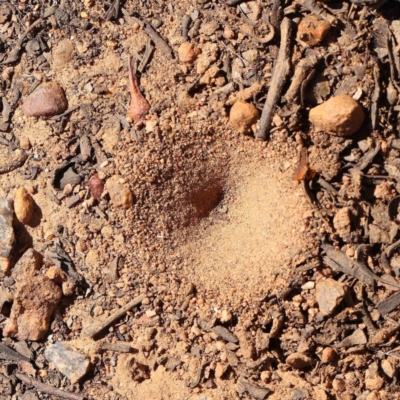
{"type": "Point", "coordinates": [42, 387]}
{"type": "Point", "coordinates": [66, 112]}
{"type": "Point", "coordinates": [186, 21]}
{"type": "Point", "coordinates": [276, 13]}
{"type": "Point", "coordinates": [318, 10]}
{"type": "Point", "coordinates": [158, 40]}
{"type": "Point", "coordinates": [279, 76]}
{"type": "Point", "coordinates": [302, 70]}
{"type": "Point", "coordinates": [113, 11]}
{"type": "Point", "coordinates": [154, 35]}
{"type": "Point", "coordinates": [6, 353]}
{"type": "Point", "coordinates": [13, 56]}
{"type": "Point", "coordinates": [146, 57]}
{"type": "Point", "coordinates": [234, 3]}
{"type": "Point", "coordinates": [94, 330]}
{"type": "Point", "coordinates": [199, 375]}
{"type": "Point", "coordinates": [375, 97]}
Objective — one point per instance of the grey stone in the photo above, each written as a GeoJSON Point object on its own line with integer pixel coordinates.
{"type": "Point", "coordinates": [7, 237]}
{"type": "Point", "coordinates": [69, 362]}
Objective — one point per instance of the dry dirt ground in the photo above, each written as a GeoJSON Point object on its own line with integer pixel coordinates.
{"type": "Point", "coordinates": [219, 233]}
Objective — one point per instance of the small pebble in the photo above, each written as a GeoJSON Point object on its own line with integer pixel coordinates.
{"type": "Point", "coordinates": [312, 30]}
{"type": "Point", "coordinates": [299, 361]}
{"type": "Point", "coordinates": [45, 101]}
{"type": "Point", "coordinates": [151, 313]}
{"type": "Point", "coordinates": [329, 294]}
{"type": "Point", "coordinates": [68, 288]}
{"type": "Point", "coordinates": [226, 316]}
{"type": "Point", "coordinates": [387, 368]}
{"type": "Point", "coordinates": [243, 115]}
{"type": "Point", "coordinates": [308, 285]}
{"type": "Point", "coordinates": [25, 143]}
{"type": "Point", "coordinates": [328, 355]}
{"type": "Point", "coordinates": [342, 221]}
{"type": "Point", "coordinates": [26, 266]}
{"type": "Point", "coordinates": [121, 196]}
{"type": "Point", "coordinates": [24, 205]}
{"type": "Point", "coordinates": [220, 370]}
{"type": "Point", "coordinates": [188, 53]}
{"type": "Point", "coordinates": [340, 116]}
{"type": "Point", "coordinates": [56, 275]}
{"type": "Point", "coordinates": [63, 53]}
{"type": "Point", "coordinates": [96, 186]}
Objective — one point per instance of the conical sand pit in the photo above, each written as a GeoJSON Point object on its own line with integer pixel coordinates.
{"type": "Point", "coordinates": [254, 233]}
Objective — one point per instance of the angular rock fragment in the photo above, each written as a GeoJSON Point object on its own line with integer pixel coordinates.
{"type": "Point", "coordinates": [342, 222]}
{"type": "Point", "coordinates": [387, 368]}
{"type": "Point", "coordinates": [121, 196]}
{"type": "Point", "coordinates": [26, 266]}
{"type": "Point", "coordinates": [329, 295]}
{"type": "Point", "coordinates": [355, 339]}
{"type": "Point", "coordinates": [7, 237]}
{"type": "Point", "coordinates": [70, 177]}
{"type": "Point", "coordinates": [47, 100]}
{"type": "Point", "coordinates": [340, 115]}
{"type": "Point", "coordinates": [69, 362]}
{"type": "Point", "coordinates": [34, 303]}
{"type": "Point", "coordinates": [373, 381]}
{"type": "Point", "coordinates": [10, 160]}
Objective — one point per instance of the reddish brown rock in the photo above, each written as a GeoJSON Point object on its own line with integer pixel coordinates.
{"type": "Point", "coordinates": [23, 205]}
{"type": "Point", "coordinates": [26, 266]}
{"type": "Point", "coordinates": [312, 30]}
{"type": "Point", "coordinates": [34, 303]}
{"type": "Point", "coordinates": [188, 53]}
{"type": "Point", "coordinates": [340, 116]}
{"type": "Point", "coordinates": [243, 115]}
{"type": "Point", "coordinates": [328, 355]}
{"type": "Point", "coordinates": [47, 100]}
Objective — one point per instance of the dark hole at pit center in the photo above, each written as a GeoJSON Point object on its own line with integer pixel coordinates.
{"type": "Point", "coordinates": [206, 198]}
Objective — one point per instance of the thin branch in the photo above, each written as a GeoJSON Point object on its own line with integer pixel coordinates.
{"type": "Point", "coordinates": [42, 387]}
{"type": "Point", "coordinates": [279, 76]}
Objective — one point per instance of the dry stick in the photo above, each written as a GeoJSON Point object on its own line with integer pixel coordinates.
{"type": "Point", "coordinates": [279, 76]}
{"type": "Point", "coordinates": [94, 330]}
{"type": "Point", "coordinates": [186, 21]}
{"type": "Point", "coordinates": [302, 71]}
{"type": "Point", "coordinates": [69, 111]}
{"type": "Point", "coordinates": [147, 55]}
{"type": "Point", "coordinates": [318, 10]}
{"type": "Point", "coordinates": [375, 97]}
{"type": "Point", "coordinates": [158, 40]}
{"type": "Point", "coordinates": [154, 35]}
{"type": "Point", "coordinates": [13, 56]}
{"type": "Point", "coordinates": [42, 387]}
{"type": "Point", "coordinates": [234, 3]}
